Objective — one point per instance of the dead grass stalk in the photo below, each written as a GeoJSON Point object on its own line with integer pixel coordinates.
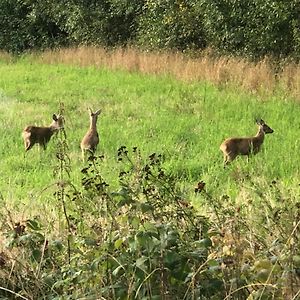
{"type": "Point", "coordinates": [260, 77]}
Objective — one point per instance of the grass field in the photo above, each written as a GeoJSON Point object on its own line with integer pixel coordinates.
{"type": "Point", "coordinates": [185, 122]}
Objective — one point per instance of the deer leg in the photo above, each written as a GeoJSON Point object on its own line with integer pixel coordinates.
{"type": "Point", "coordinates": [91, 153]}
{"type": "Point", "coordinates": [28, 145]}
{"type": "Point", "coordinates": [87, 153]}
{"type": "Point", "coordinates": [230, 157]}
{"type": "Point", "coordinates": [83, 154]}
{"type": "Point", "coordinates": [43, 144]}
{"type": "Point", "coordinates": [226, 160]}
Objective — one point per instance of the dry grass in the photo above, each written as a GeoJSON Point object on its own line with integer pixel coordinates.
{"type": "Point", "coordinates": [259, 78]}
{"type": "Point", "coordinates": [5, 56]}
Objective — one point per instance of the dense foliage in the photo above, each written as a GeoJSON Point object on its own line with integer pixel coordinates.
{"type": "Point", "coordinates": [251, 28]}
{"type": "Point", "coordinates": [144, 240]}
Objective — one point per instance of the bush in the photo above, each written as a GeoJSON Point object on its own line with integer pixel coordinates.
{"type": "Point", "coordinates": [171, 25]}
{"type": "Point", "coordinates": [249, 28]}
{"type": "Point", "coordinates": [27, 25]}
{"type": "Point", "coordinates": [141, 240]}
{"type": "Point", "coordinates": [252, 28]}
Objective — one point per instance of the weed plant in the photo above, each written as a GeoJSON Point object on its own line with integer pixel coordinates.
{"type": "Point", "coordinates": [145, 240]}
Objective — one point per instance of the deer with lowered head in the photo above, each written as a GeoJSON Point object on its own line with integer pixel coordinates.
{"type": "Point", "coordinates": [232, 147]}
{"type": "Point", "coordinates": [90, 141]}
{"type": "Point", "coordinates": [41, 135]}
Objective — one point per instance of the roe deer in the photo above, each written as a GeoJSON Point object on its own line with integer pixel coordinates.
{"type": "Point", "coordinates": [91, 139]}
{"type": "Point", "coordinates": [232, 147]}
{"type": "Point", "coordinates": [41, 135]}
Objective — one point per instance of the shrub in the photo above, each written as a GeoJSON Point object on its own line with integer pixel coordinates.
{"type": "Point", "coordinates": [173, 25]}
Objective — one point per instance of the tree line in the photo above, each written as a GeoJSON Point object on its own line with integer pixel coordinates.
{"type": "Point", "coordinates": [252, 29]}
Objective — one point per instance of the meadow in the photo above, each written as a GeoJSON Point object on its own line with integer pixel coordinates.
{"type": "Point", "coordinates": [183, 119]}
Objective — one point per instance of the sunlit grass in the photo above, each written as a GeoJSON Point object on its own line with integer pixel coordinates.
{"type": "Point", "coordinates": [186, 122]}
{"type": "Point", "coordinates": [264, 78]}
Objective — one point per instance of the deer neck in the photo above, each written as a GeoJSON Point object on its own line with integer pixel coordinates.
{"type": "Point", "coordinates": [260, 135]}
{"type": "Point", "coordinates": [52, 128]}
{"type": "Point", "coordinates": [93, 124]}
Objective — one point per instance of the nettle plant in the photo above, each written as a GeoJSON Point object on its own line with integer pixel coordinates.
{"type": "Point", "coordinates": [141, 239]}
{"type": "Point", "coordinates": [153, 243]}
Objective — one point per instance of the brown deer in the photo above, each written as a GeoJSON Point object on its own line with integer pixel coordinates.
{"type": "Point", "coordinates": [91, 139]}
{"type": "Point", "coordinates": [41, 135]}
{"type": "Point", "coordinates": [232, 147]}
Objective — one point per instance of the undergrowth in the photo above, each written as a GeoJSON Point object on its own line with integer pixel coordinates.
{"type": "Point", "coordinates": [143, 239]}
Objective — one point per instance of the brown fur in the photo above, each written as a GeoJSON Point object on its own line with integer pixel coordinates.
{"type": "Point", "coordinates": [232, 147]}
{"type": "Point", "coordinates": [41, 135]}
{"type": "Point", "coordinates": [91, 139]}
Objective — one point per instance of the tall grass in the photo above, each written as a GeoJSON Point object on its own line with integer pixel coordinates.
{"type": "Point", "coordinates": [264, 77]}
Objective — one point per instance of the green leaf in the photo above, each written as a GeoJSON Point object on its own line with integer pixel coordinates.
{"type": "Point", "coordinates": [146, 207]}
{"type": "Point", "coordinates": [140, 263]}
{"type": "Point", "coordinates": [135, 222]}
{"type": "Point", "coordinates": [213, 263]}
{"type": "Point", "coordinates": [204, 243]}
{"type": "Point", "coordinates": [33, 224]}
{"type": "Point", "coordinates": [171, 258]}
{"type": "Point", "coordinates": [95, 264]}
{"type": "Point", "coordinates": [117, 270]}
{"type": "Point", "coordinates": [90, 241]}
{"type": "Point", "coordinates": [296, 260]}
{"type": "Point", "coordinates": [57, 244]}
{"type": "Point", "coordinates": [118, 243]}
{"type": "Point", "coordinates": [148, 226]}
{"type": "Point", "coordinates": [36, 255]}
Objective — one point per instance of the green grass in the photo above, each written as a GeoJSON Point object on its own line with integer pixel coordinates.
{"type": "Point", "coordinates": [252, 209]}
{"type": "Point", "coordinates": [184, 122]}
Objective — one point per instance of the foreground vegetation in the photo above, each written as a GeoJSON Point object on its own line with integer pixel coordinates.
{"type": "Point", "coordinates": [154, 215]}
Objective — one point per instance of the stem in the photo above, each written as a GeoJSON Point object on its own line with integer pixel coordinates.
{"type": "Point", "coordinates": [63, 168]}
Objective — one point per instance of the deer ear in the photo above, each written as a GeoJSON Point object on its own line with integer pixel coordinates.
{"type": "Point", "coordinates": [89, 110]}
{"type": "Point", "coordinates": [98, 112]}
{"type": "Point", "coordinates": [54, 117]}
{"type": "Point", "coordinates": [259, 121]}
